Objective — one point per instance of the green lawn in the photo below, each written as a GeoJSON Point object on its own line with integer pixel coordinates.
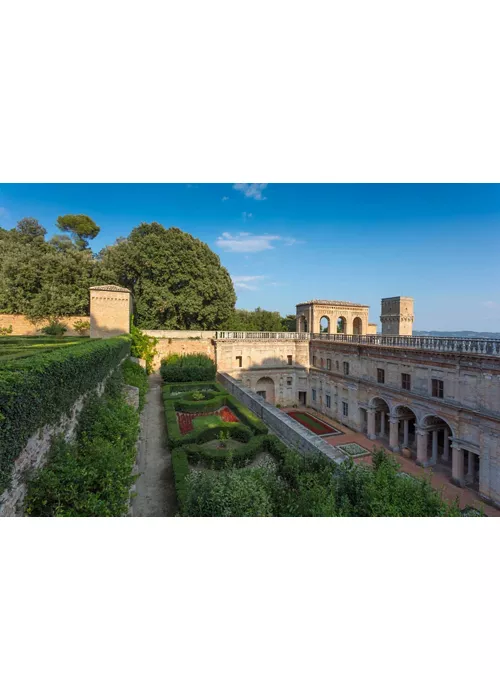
{"type": "Point", "coordinates": [19, 347]}
{"type": "Point", "coordinates": [207, 422]}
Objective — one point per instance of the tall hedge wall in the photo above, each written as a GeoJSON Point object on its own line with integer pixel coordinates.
{"type": "Point", "coordinates": [39, 390]}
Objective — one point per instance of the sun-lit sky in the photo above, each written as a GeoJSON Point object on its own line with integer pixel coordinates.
{"type": "Point", "coordinates": [284, 244]}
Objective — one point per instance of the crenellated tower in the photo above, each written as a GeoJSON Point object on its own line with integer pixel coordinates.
{"type": "Point", "coordinates": [397, 316]}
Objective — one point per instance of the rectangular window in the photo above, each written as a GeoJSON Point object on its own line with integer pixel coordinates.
{"type": "Point", "coordinates": [437, 388]}
{"type": "Point", "coordinates": [314, 360]}
{"type": "Point", "coordinates": [337, 364]}
{"type": "Point", "coordinates": [328, 364]}
{"type": "Point", "coordinates": [239, 360]}
{"type": "Point", "coordinates": [345, 408]}
{"type": "Point", "coordinates": [328, 401]}
{"type": "Point", "coordinates": [289, 359]}
{"type": "Point", "coordinates": [346, 367]}
{"type": "Point", "coordinates": [289, 381]}
{"type": "Point", "coordinates": [406, 382]}
{"type": "Point", "coordinates": [262, 394]}
{"type": "Point", "coordinates": [381, 376]}
{"type": "Point", "coordinates": [314, 394]}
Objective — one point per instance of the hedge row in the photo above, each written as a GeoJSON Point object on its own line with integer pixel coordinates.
{"type": "Point", "coordinates": [187, 368]}
{"type": "Point", "coordinates": [246, 415]}
{"type": "Point", "coordinates": [189, 387]}
{"type": "Point", "coordinates": [39, 390]}
{"type": "Point", "coordinates": [135, 375]}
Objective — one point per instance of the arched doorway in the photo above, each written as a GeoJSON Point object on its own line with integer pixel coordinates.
{"type": "Point", "coordinates": [434, 444]}
{"type": "Point", "coordinates": [357, 326]}
{"type": "Point", "coordinates": [382, 413]}
{"type": "Point", "coordinates": [341, 325]}
{"type": "Point", "coordinates": [324, 324]}
{"type": "Point", "coordinates": [265, 388]}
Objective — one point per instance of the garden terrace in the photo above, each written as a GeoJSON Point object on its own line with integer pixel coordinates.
{"type": "Point", "coordinates": [19, 348]}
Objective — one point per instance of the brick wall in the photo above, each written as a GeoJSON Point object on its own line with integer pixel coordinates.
{"type": "Point", "coordinates": [22, 326]}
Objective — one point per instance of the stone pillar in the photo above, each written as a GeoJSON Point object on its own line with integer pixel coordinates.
{"type": "Point", "coordinates": [457, 466]}
{"type": "Point", "coordinates": [471, 460]}
{"type": "Point", "coordinates": [382, 423]}
{"type": "Point", "coordinates": [422, 439]}
{"type": "Point", "coordinates": [446, 449]}
{"type": "Point", "coordinates": [393, 434]}
{"type": "Point", "coordinates": [371, 423]}
{"type": "Point", "coordinates": [406, 425]}
{"type": "Point", "coordinates": [110, 311]}
{"type": "Point", "coordinates": [434, 446]}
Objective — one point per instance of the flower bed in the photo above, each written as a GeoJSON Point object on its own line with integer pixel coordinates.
{"type": "Point", "coordinates": [316, 426]}
{"type": "Point", "coordinates": [185, 420]}
{"type": "Point", "coordinates": [352, 449]}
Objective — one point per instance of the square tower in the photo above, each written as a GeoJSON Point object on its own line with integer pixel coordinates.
{"type": "Point", "coordinates": [397, 316]}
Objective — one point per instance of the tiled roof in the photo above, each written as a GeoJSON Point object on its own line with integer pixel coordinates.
{"type": "Point", "coordinates": [111, 288]}
{"type": "Point", "coordinates": [331, 302]}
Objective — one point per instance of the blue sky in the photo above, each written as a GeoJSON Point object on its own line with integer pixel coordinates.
{"type": "Point", "coordinates": [284, 244]}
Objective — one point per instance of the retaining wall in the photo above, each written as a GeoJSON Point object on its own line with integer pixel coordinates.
{"type": "Point", "coordinates": [22, 326]}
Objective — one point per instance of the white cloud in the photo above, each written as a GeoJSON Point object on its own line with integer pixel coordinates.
{"type": "Point", "coordinates": [242, 281]}
{"type": "Point", "coordinates": [245, 242]}
{"type": "Point", "coordinates": [247, 215]}
{"type": "Point", "coordinates": [490, 304]}
{"type": "Point", "coordinates": [252, 190]}
{"type": "Point", "coordinates": [224, 199]}
{"type": "Point", "coordinates": [3, 211]}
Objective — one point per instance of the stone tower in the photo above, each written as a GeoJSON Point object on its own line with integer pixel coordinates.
{"type": "Point", "coordinates": [397, 316]}
{"type": "Point", "coordinates": [110, 311]}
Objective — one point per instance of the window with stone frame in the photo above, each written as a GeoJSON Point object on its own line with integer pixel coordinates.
{"type": "Point", "coordinates": [289, 381]}
{"type": "Point", "coordinates": [289, 359]}
{"type": "Point", "coordinates": [321, 363]}
{"type": "Point", "coordinates": [336, 364]}
{"type": "Point", "coordinates": [314, 394]}
{"type": "Point", "coordinates": [328, 364]}
{"type": "Point", "coordinates": [328, 401]}
{"type": "Point", "coordinates": [406, 381]}
{"type": "Point", "coordinates": [314, 360]}
{"type": "Point", "coordinates": [239, 360]}
{"type": "Point", "coordinates": [345, 408]}
{"type": "Point", "coordinates": [346, 367]}
{"type": "Point", "coordinates": [381, 376]}
{"type": "Point", "coordinates": [438, 388]}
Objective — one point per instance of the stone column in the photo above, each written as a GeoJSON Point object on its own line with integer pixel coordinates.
{"type": "Point", "coordinates": [382, 423]}
{"type": "Point", "coordinates": [446, 449]}
{"type": "Point", "coordinates": [422, 440]}
{"type": "Point", "coordinates": [406, 425]}
{"type": "Point", "coordinates": [394, 434]}
{"type": "Point", "coordinates": [471, 460]}
{"type": "Point", "coordinates": [457, 465]}
{"type": "Point", "coordinates": [434, 446]}
{"type": "Point", "coordinates": [371, 423]}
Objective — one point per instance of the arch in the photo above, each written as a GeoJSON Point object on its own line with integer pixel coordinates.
{"type": "Point", "coordinates": [406, 431]}
{"type": "Point", "coordinates": [341, 324]}
{"type": "Point", "coordinates": [431, 420]}
{"type": "Point", "coordinates": [382, 413]}
{"type": "Point", "coordinates": [357, 326]}
{"type": "Point", "coordinates": [301, 324]}
{"type": "Point", "coordinates": [437, 434]}
{"type": "Point", "coordinates": [265, 388]}
{"type": "Point", "coordinates": [324, 324]}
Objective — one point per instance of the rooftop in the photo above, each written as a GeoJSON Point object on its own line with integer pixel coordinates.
{"type": "Point", "coordinates": [331, 302]}
{"type": "Point", "coordinates": [111, 288]}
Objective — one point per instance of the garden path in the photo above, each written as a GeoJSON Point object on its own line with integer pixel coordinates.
{"type": "Point", "coordinates": [155, 486]}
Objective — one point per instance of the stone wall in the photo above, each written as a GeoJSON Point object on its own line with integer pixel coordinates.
{"type": "Point", "coordinates": [23, 326]}
{"type": "Point", "coordinates": [287, 429]}
{"type": "Point", "coordinates": [182, 343]}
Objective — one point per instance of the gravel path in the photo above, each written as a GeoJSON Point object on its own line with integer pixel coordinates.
{"type": "Point", "coordinates": [155, 487]}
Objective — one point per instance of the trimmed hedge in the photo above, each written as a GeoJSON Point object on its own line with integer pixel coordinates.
{"type": "Point", "coordinates": [189, 387]}
{"type": "Point", "coordinates": [180, 466]}
{"type": "Point", "coordinates": [246, 415]}
{"type": "Point", "coordinates": [199, 406]}
{"type": "Point", "coordinates": [39, 390]}
{"type": "Point", "coordinates": [237, 431]}
{"type": "Point", "coordinates": [223, 459]}
{"type": "Point", "coordinates": [187, 368]}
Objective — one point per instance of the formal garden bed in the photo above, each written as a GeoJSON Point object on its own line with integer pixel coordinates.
{"type": "Point", "coordinates": [352, 449]}
{"type": "Point", "coordinates": [318, 427]}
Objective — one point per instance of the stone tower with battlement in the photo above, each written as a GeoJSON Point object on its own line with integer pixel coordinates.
{"type": "Point", "coordinates": [397, 316]}
{"type": "Point", "coordinates": [110, 311]}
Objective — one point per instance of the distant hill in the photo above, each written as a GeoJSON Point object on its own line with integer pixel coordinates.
{"type": "Point", "coordinates": [460, 334]}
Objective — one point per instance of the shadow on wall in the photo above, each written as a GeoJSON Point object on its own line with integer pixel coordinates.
{"type": "Point", "coordinates": [273, 363]}
{"type": "Point", "coordinates": [105, 332]}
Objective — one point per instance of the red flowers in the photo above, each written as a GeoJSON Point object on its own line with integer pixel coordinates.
{"type": "Point", "coordinates": [185, 420]}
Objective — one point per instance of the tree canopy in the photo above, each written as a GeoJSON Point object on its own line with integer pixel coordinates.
{"type": "Point", "coordinates": [81, 227]}
{"type": "Point", "coordinates": [259, 320]}
{"type": "Point", "coordinates": [175, 279]}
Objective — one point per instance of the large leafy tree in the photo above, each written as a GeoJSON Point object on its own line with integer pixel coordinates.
{"type": "Point", "coordinates": [80, 226]}
{"type": "Point", "coordinates": [258, 320]}
{"type": "Point", "coordinates": [176, 280]}
{"type": "Point", "coordinates": [42, 278]}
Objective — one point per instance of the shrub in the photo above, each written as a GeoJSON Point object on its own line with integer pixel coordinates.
{"type": "Point", "coordinates": [186, 389]}
{"type": "Point", "coordinates": [38, 390]}
{"type": "Point", "coordinates": [246, 415]}
{"type": "Point", "coordinates": [228, 494]}
{"type": "Point", "coordinates": [135, 375]}
{"type": "Point", "coordinates": [81, 327]}
{"type": "Point", "coordinates": [143, 346]}
{"type": "Point", "coordinates": [180, 467]}
{"type": "Point", "coordinates": [5, 330]}
{"type": "Point", "coordinates": [93, 476]}
{"type": "Point", "coordinates": [200, 406]}
{"type": "Point", "coordinates": [55, 327]}
{"type": "Point", "coordinates": [226, 459]}
{"type": "Point", "coordinates": [187, 368]}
